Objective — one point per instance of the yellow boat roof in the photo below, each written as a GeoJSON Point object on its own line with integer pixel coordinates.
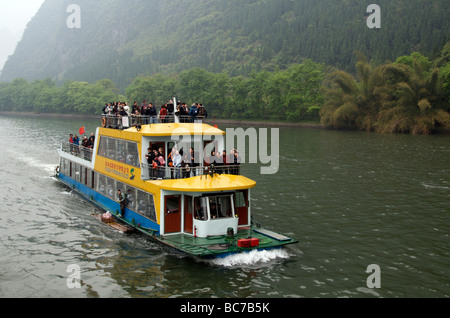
{"type": "Point", "coordinates": [206, 183]}
{"type": "Point", "coordinates": [179, 129]}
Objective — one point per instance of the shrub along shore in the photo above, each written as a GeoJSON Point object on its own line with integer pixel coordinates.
{"type": "Point", "coordinates": [211, 121]}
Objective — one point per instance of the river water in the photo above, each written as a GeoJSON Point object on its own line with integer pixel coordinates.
{"type": "Point", "coordinates": [353, 199]}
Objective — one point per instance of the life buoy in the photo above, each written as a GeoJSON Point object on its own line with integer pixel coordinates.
{"type": "Point", "coordinates": [57, 170]}
{"type": "Point", "coordinates": [103, 122]}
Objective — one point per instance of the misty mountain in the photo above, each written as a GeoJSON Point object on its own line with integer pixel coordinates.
{"type": "Point", "coordinates": [9, 41]}
{"type": "Point", "coordinates": [122, 39]}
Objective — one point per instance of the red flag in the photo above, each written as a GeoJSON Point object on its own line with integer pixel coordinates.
{"type": "Point", "coordinates": [81, 131]}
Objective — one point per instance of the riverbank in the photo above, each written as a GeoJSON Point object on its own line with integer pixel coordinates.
{"type": "Point", "coordinates": [211, 121]}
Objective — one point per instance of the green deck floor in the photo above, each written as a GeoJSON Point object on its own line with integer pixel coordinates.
{"type": "Point", "coordinates": [216, 245]}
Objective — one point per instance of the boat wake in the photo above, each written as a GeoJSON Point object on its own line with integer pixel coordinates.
{"type": "Point", "coordinates": [251, 258]}
{"type": "Point", "coordinates": [435, 187]}
{"type": "Point", "coordinates": [34, 162]}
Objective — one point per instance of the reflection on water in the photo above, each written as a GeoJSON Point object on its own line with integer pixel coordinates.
{"type": "Point", "coordinates": [352, 199]}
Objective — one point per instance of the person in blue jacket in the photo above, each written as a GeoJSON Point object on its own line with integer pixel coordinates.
{"type": "Point", "coordinates": [193, 112]}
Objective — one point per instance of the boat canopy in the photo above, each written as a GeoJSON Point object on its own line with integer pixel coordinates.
{"type": "Point", "coordinates": [207, 183]}
{"type": "Point", "coordinates": [194, 129]}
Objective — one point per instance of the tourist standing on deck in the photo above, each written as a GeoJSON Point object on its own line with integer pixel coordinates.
{"type": "Point", "coordinates": [144, 109]}
{"type": "Point", "coordinates": [71, 142]}
{"type": "Point", "coordinates": [153, 114]}
{"type": "Point", "coordinates": [122, 202]}
{"type": "Point", "coordinates": [170, 107]}
{"type": "Point", "coordinates": [193, 113]}
{"type": "Point", "coordinates": [150, 157]}
{"type": "Point", "coordinates": [163, 114]}
{"type": "Point", "coordinates": [76, 143]}
{"type": "Point", "coordinates": [109, 112]}
{"type": "Point", "coordinates": [134, 108]}
{"type": "Point", "coordinates": [183, 112]}
{"type": "Point", "coordinates": [177, 164]}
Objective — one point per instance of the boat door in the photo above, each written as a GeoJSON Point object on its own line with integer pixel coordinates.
{"type": "Point", "coordinates": [241, 205]}
{"type": "Point", "coordinates": [172, 214]}
{"type": "Point", "coordinates": [188, 216]}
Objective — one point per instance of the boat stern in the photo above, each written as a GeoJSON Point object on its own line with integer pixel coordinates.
{"type": "Point", "coordinates": [246, 239]}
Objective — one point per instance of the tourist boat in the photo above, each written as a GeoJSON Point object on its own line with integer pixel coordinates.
{"type": "Point", "coordinates": [202, 210]}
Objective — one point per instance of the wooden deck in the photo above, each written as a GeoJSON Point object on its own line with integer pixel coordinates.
{"type": "Point", "coordinates": [115, 225]}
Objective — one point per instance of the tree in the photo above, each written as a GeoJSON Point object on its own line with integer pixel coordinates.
{"type": "Point", "coordinates": [404, 96]}
{"type": "Point", "coordinates": [155, 89]}
{"type": "Point", "coordinates": [341, 102]}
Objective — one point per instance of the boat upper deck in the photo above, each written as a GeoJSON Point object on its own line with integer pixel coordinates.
{"type": "Point", "coordinates": [162, 151]}
{"type": "Point", "coordinates": [197, 128]}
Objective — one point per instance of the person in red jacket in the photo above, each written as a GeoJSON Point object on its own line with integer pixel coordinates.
{"type": "Point", "coordinates": [163, 114]}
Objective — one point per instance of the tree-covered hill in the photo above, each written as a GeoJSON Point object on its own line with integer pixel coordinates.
{"type": "Point", "coordinates": [122, 39]}
{"type": "Point", "coordinates": [410, 95]}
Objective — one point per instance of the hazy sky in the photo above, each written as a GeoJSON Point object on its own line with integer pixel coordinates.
{"type": "Point", "coordinates": [14, 16]}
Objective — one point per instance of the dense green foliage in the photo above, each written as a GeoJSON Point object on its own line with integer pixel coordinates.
{"type": "Point", "coordinates": [44, 96]}
{"type": "Point", "coordinates": [292, 94]}
{"type": "Point", "coordinates": [410, 95]}
{"type": "Point", "coordinates": [123, 39]}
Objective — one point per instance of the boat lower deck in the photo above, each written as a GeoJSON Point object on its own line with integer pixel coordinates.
{"type": "Point", "coordinates": [207, 247]}
{"type": "Point", "coordinates": [222, 245]}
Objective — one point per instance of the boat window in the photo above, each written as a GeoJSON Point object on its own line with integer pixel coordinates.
{"type": "Point", "coordinates": [200, 208]}
{"type": "Point", "coordinates": [241, 202]}
{"type": "Point", "coordinates": [92, 179]}
{"type": "Point", "coordinates": [132, 158]}
{"type": "Point", "coordinates": [111, 149]}
{"type": "Point", "coordinates": [220, 207]}
{"type": "Point", "coordinates": [131, 196]}
{"type": "Point", "coordinates": [86, 176]}
{"type": "Point", "coordinates": [77, 172]}
{"type": "Point", "coordinates": [101, 184]}
{"type": "Point", "coordinates": [102, 147]}
{"type": "Point", "coordinates": [110, 188]}
{"type": "Point", "coordinates": [172, 204]}
{"type": "Point", "coordinates": [121, 186]}
{"type": "Point", "coordinates": [64, 166]}
{"type": "Point", "coordinates": [146, 205]}
{"type": "Point", "coordinates": [119, 150]}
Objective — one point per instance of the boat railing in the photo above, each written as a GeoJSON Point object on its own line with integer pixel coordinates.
{"type": "Point", "coordinates": [77, 150]}
{"type": "Point", "coordinates": [150, 172]}
{"type": "Point", "coordinates": [124, 122]}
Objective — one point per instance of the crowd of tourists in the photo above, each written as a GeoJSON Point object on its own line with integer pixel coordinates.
{"type": "Point", "coordinates": [184, 165]}
{"type": "Point", "coordinates": [148, 113]}
{"type": "Point", "coordinates": [81, 148]}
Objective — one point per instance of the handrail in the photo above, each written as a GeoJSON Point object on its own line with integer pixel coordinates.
{"type": "Point", "coordinates": [124, 122]}
{"type": "Point", "coordinates": [77, 150]}
{"type": "Point", "coordinates": [148, 172]}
